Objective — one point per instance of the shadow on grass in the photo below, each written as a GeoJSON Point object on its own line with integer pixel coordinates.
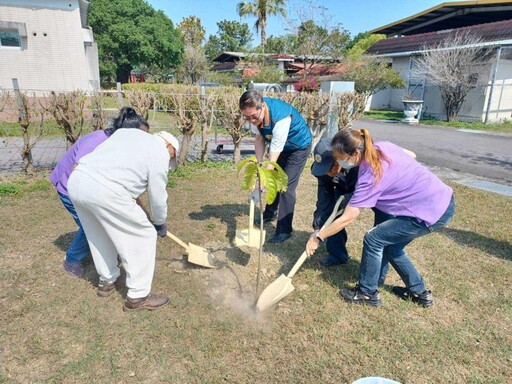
{"type": "Point", "coordinates": [291, 250]}
{"type": "Point", "coordinates": [64, 241]}
{"type": "Point", "coordinates": [497, 248]}
{"type": "Point", "coordinates": [227, 214]}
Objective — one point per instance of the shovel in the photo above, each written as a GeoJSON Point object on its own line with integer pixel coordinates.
{"type": "Point", "coordinates": [250, 236]}
{"type": "Point", "coordinates": [282, 286]}
{"type": "Point", "coordinates": [196, 254]}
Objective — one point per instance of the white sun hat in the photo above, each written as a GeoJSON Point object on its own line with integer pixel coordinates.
{"type": "Point", "coordinates": [170, 139]}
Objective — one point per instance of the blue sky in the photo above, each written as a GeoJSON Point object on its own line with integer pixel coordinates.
{"type": "Point", "coordinates": [354, 15]}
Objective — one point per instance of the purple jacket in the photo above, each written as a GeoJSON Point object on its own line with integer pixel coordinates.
{"type": "Point", "coordinates": [407, 188]}
{"type": "Point", "coordinates": [84, 145]}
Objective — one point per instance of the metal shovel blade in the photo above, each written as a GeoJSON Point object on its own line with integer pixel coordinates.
{"type": "Point", "coordinates": [200, 256]}
{"type": "Point", "coordinates": [196, 255]}
{"type": "Point", "coordinates": [282, 286]}
{"type": "Point", "coordinates": [274, 293]}
{"type": "Point", "coordinates": [249, 237]}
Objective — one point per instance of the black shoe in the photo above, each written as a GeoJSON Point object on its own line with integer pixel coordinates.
{"type": "Point", "coordinates": [279, 238]}
{"type": "Point", "coordinates": [331, 261]}
{"type": "Point", "coordinates": [266, 219]}
{"type": "Point", "coordinates": [424, 298]}
{"type": "Point", "coordinates": [356, 296]}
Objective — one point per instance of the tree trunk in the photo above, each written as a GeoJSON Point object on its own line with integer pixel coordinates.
{"type": "Point", "coordinates": [263, 26]}
{"type": "Point", "coordinates": [26, 153]}
{"type": "Point", "coordinates": [204, 142]}
{"type": "Point", "coordinates": [236, 152]}
{"type": "Point", "coordinates": [184, 148]}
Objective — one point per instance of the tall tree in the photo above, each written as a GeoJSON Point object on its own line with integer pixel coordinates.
{"type": "Point", "coordinates": [131, 33]}
{"type": "Point", "coordinates": [361, 43]}
{"type": "Point", "coordinates": [317, 38]}
{"type": "Point", "coordinates": [192, 31]}
{"type": "Point", "coordinates": [231, 36]}
{"type": "Point", "coordinates": [261, 9]}
{"type": "Point", "coordinates": [194, 67]}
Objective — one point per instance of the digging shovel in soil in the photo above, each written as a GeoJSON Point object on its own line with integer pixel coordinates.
{"type": "Point", "coordinates": [282, 286]}
{"type": "Point", "coordinates": [251, 236]}
{"type": "Point", "coordinates": [196, 254]}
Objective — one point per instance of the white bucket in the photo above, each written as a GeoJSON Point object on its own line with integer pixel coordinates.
{"type": "Point", "coordinates": [375, 380]}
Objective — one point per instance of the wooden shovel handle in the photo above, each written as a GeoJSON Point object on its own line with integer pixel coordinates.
{"type": "Point", "coordinates": [328, 222]}
{"type": "Point", "coordinates": [251, 214]}
{"type": "Point", "coordinates": [183, 244]}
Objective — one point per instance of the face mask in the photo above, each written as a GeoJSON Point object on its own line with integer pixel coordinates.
{"type": "Point", "coordinates": [345, 164]}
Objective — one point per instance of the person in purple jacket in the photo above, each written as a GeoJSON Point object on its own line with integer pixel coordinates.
{"type": "Point", "coordinates": [414, 203]}
{"type": "Point", "coordinates": [79, 248]}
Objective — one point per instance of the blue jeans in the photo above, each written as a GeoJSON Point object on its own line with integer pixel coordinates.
{"type": "Point", "coordinates": [79, 248]}
{"type": "Point", "coordinates": [387, 240]}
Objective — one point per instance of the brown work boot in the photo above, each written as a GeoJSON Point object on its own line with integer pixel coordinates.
{"type": "Point", "coordinates": [150, 302]}
{"type": "Point", "coordinates": [106, 289]}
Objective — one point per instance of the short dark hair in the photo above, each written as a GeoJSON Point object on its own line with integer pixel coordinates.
{"type": "Point", "coordinates": [251, 98]}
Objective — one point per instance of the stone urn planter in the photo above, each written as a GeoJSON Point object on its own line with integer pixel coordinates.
{"type": "Point", "coordinates": [411, 110]}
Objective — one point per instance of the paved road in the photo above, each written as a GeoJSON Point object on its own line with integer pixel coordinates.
{"type": "Point", "coordinates": [486, 155]}
{"type": "Point", "coordinates": [451, 153]}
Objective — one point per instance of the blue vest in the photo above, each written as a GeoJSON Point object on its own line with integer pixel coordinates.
{"type": "Point", "coordinates": [299, 135]}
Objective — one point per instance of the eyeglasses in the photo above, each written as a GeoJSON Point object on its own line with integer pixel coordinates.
{"type": "Point", "coordinates": [253, 117]}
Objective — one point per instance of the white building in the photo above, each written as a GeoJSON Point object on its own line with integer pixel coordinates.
{"type": "Point", "coordinates": [491, 20]}
{"type": "Point", "coordinates": [47, 46]}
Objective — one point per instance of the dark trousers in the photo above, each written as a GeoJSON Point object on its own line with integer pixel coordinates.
{"type": "Point", "coordinates": [293, 164]}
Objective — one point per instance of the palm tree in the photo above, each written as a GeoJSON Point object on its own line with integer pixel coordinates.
{"type": "Point", "coordinates": [261, 9]}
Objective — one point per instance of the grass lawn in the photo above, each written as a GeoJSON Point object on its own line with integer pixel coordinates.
{"type": "Point", "coordinates": [54, 329]}
{"type": "Point", "coordinates": [399, 115]}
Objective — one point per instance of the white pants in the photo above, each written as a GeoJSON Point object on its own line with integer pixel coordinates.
{"type": "Point", "coordinates": [115, 225]}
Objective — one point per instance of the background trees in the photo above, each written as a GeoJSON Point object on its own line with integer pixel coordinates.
{"type": "Point", "coordinates": [261, 9]}
{"type": "Point", "coordinates": [316, 38]}
{"type": "Point", "coordinates": [192, 31]}
{"type": "Point", "coordinates": [131, 33]}
{"type": "Point", "coordinates": [231, 36]}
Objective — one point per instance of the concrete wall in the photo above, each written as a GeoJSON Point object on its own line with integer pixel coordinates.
{"type": "Point", "coordinates": [54, 55]}
{"type": "Point", "coordinates": [501, 103]}
{"type": "Point", "coordinates": [391, 99]}
{"type": "Point", "coordinates": [475, 105]}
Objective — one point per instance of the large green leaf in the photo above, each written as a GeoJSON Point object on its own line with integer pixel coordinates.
{"type": "Point", "coordinates": [269, 182]}
{"type": "Point", "coordinates": [243, 163]}
{"type": "Point", "coordinates": [251, 171]}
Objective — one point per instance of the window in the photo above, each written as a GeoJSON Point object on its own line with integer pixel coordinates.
{"type": "Point", "coordinates": [10, 38]}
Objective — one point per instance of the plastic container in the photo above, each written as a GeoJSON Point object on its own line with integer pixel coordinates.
{"type": "Point", "coordinates": [375, 380]}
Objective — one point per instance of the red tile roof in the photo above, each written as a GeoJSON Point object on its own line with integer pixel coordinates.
{"type": "Point", "coordinates": [497, 31]}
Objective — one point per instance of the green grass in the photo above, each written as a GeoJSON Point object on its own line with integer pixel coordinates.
{"type": "Point", "coordinates": [505, 127]}
{"type": "Point", "coordinates": [55, 329]}
{"type": "Point", "coordinates": [20, 186]}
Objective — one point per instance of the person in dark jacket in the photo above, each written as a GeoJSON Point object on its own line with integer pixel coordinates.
{"type": "Point", "coordinates": [333, 182]}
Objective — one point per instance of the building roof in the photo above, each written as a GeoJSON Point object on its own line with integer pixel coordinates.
{"type": "Point", "coordinates": [498, 32]}
{"type": "Point", "coordinates": [237, 56]}
{"type": "Point", "coordinates": [450, 15]}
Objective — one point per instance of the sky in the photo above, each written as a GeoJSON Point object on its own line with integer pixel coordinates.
{"type": "Point", "coordinates": [354, 15]}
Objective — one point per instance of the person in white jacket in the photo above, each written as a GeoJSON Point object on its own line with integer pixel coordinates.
{"type": "Point", "coordinates": [105, 187]}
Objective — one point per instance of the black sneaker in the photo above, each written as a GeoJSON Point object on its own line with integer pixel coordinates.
{"type": "Point", "coordinates": [424, 298]}
{"type": "Point", "coordinates": [356, 296]}
{"type": "Point", "coordinates": [332, 261]}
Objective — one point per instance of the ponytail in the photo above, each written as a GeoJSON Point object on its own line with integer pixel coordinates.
{"type": "Point", "coordinates": [350, 140]}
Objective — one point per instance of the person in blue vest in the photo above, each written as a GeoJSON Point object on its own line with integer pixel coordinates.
{"type": "Point", "coordinates": [281, 127]}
